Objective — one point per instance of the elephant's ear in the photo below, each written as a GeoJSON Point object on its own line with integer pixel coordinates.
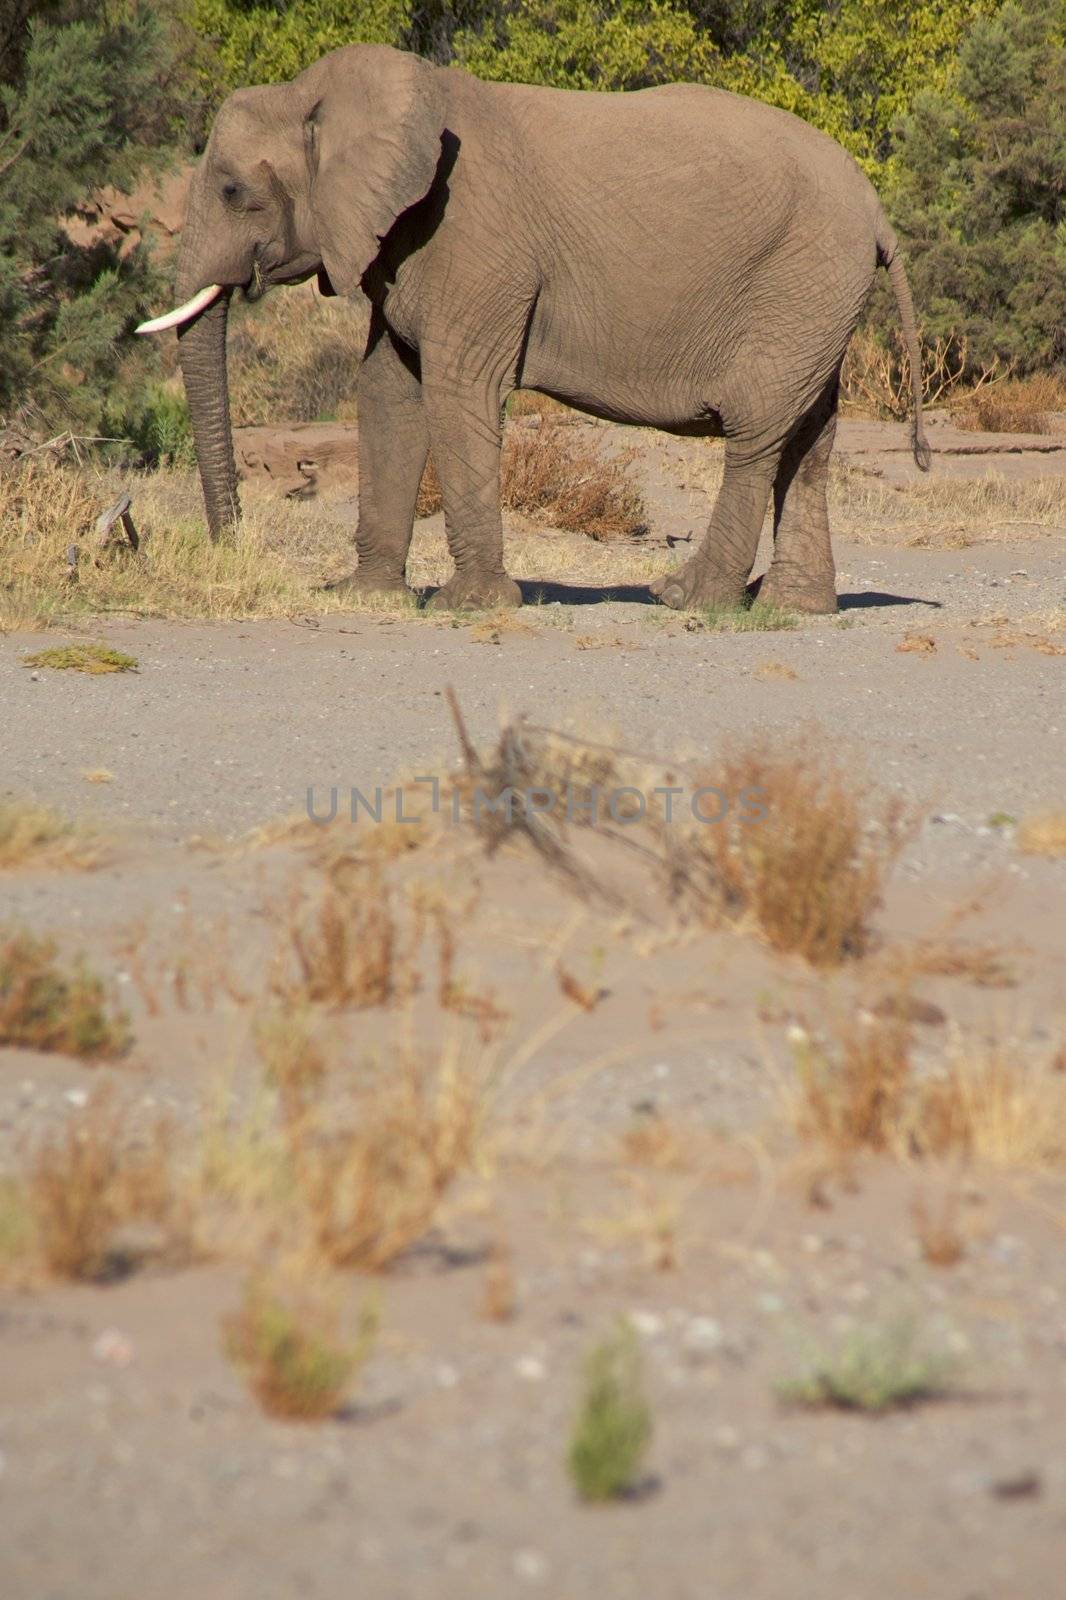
{"type": "Point", "coordinates": [373, 141]}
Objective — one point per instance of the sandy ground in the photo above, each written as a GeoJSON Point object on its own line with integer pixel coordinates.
{"type": "Point", "coordinates": [134, 1463]}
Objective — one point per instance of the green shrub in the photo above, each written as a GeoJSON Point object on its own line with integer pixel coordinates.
{"type": "Point", "coordinates": [613, 1427]}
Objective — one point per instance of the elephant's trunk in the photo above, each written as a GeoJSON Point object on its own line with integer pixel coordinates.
{"type": "Point", "coordinates": [202, 353]}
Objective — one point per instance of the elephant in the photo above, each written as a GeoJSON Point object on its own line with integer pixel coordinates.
{"type": "Point", "coordinates": [678, 257]}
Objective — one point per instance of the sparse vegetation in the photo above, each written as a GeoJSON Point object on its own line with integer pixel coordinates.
{"type": "Point", "coordinates": [1043, 835]}
{"type": "Point", "coordinates": [746, 619]}
{"type": "Point", "coordinates": [84, 1182]}
{"type": "Point", "coordinates": [32, 835]}
{"type": "Point", "coordinates": [807, 859]}
{"type": "Point", "coordinates": [874, 1368]}
{"type": "Point", "coordinates": [613, 1426]}
{"type": "Point", "coordinates": [372, 1189]}
{"type": "Point", "coordinates": [1024, 405]}
{"type": "Point", "coordinates": [990, 1105]}
{"type": "Point", "coordinates": [350, 951]}
{"type": "Point", "coordinates": [284, 1341]}
{"type": "Point", "coordinates": [94, 659]}
{"type": "Point", "coordinates": [44, 1007]}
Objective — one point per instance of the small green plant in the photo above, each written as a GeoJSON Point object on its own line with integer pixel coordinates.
{"type": "Point", "coordinates": [284, 1341]}
{"type": "Point", "coordinates": [875, 1368]}
{"type": "Point", "coordinates": [613, 1427]}
{"type": "Point", "coordinates": [91, 658]}
{"type": "Point", "coordinates": [44, 1008]}
{"type": "Point", "coordinates": [1002, 819]}
{"type": "Point", "coordinates": [746, 619]}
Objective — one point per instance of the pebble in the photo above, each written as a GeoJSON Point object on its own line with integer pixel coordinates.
{"type": "Point", "coordinates": [77, 1097]}
{"type": "Point", "coordinates": [703, 1336]}
{"type": "Point", "coordinates": [530, 1565]}
{"type": "Point", "coordinates": [113, 1348]}
{"type": "Point", "coordinates": [646, 1323]}
{"type": "Point", "coordinates": [447, 1376]}
{"type": "Point", "coordinates": [531, 1368]}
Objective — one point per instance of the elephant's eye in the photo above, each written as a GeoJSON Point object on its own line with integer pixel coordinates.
{"type": "Point", "coordinates": [230, 190]}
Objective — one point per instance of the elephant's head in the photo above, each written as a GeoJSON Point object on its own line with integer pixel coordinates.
{"type": "Point", "coordinates": [298, 178]}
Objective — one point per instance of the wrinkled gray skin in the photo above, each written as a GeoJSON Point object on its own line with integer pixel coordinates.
{"type": "Point", "coordinates": [679, 257]}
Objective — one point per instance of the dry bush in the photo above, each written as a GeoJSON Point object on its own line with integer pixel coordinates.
{"type": "Point", "coordinates": [43, 1007]}
{"type": "Point", "coordinates": [548, 473]}
{"type": "Point", "coordinates": [374, 1189]}
{"type": "Point", "coordinates": [1043, 835]}
{"type": "Point", "coordinates": [87, 1181]}
{"type": "Point", "coordinates": [36, 836]}
{"type": "Point", "coordinates": [986, 1105]}
{"type": "Point", "coordinates": [995, 1108]}
{"type": "Point", "coordinates": [938, 1234]}
{"type": "Point", "coordinates": [807, 858]}
{"type": "Point", "coordinates": [284, 1341]}
{"type": "Point", "coordinates": [296, 357]}
{"type": "Point", "coordinates": [876, 380]}
{"type": "Point", "coordinates": [1019, 405]}
{"type": "Point", "coordinates": [350, 951]}
{"type": "Point", "coordinates": [858, 1096]}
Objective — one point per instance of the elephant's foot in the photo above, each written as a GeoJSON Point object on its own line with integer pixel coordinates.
{"type": "Point", "coordinates": [696, 586]}
{"type": "Point", "coordinates": [366, 582]}
{"type": "Point", "coordinates": [812, 593]}
{"type": "Point", "coordinates": [472, 591]}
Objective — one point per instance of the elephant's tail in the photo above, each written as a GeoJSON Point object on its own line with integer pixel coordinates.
{"type": "Point", "coordinates": [888, 257]}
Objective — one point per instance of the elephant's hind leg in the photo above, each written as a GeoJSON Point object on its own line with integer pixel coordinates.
{"type": "Point", "coordinates": [802, 576]}
{"type": "Point", "coordinates": [717, 575]}
{"type": "Point", "coordinates": [393, 446]}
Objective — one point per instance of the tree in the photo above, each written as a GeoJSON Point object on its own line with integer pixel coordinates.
{"type": "Point", "coordinates": [79, 103]}
{"type": "Point", "coordinates": [979, 191]}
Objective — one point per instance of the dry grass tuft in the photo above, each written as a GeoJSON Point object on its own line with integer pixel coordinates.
{"type": "Point", "coordinates": [857, 1097]}
{"type": "Point", "coordinates": [1018, 405]}
{"type": "Point", "coordinates": [988, 1106]}
{"type": "Point", "coordinates": [284, 1341]}
{"type": "Point", "coordinates": [350, 951]}
{"type": "Point", "coordinates": [939, 1237]}
{"type": "Point", "coordinates": [805, 853]}
{"type": "Point", "coordinates": [1043, 835]}
{"type": "Point", "coordinates": [36, 836]}
{"type": "Point", "coordinates": [87, 1181]}
{"type": "Point", "coordinates": [374, 1189]}
{"type": "Point", "coordinates": [43, 1007]}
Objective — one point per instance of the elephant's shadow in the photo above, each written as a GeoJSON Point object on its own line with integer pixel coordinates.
{"type": "Point", "coordinates": [535, 592]}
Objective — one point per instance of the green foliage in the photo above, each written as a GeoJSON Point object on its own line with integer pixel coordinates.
{"type": "Point", "coordinates": [579, 44]}
{"type": "Point", "coordinates": [613, 1426]}
{"type": "Point", "coordinates": [268, 43]}
{"type": "Point", "coordinates": [875, 1369]}
{"type": "Point", "coordinates": [155, 422]}
{"type": "Point", "coordinates": [82, 100]}
{"type": "Point", "coordinates": [979, 192]}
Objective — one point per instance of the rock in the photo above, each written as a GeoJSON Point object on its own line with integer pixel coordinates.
{"type": "Point", "coordinates": [531, 1368]}
{"type": "Point", "coordinates": [113, 1348]}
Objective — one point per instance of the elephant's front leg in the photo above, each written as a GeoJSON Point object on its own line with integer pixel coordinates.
{"type": "Point", "coordinates": [466, 433]}
{"type": "Point", "coordinates": [393, 446]}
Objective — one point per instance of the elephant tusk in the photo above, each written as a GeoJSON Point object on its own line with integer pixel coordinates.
{"type": "Point", "coordinates": [185, 313]}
